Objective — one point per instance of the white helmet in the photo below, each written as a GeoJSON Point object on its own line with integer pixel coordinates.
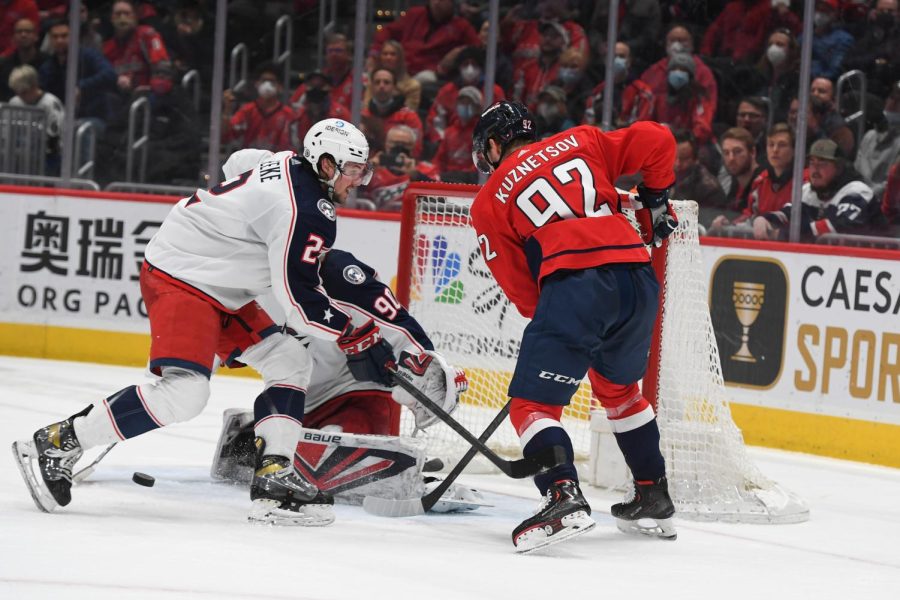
{"type": "Point", "coordinates": [343, 142]}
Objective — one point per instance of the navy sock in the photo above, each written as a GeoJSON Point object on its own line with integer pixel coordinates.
{"type": "Point", "coordinates": [278, 400]}
{"type": "Point", "coordinates": [641, 450]}
{"type": "Point", "coordinates": [552, 436]}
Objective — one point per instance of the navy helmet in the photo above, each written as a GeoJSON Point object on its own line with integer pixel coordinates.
{"type": "Point", "coordinates": [503, 121]}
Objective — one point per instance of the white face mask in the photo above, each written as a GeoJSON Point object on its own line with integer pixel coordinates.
{"type": "Point", "coordinates": [470, 73]}
{"type": "Point", "coordinates": [675, 48]}
{"type": "Point", "coordinates": [266, 89]}
{"type": "Point", "coordinates": [821, 19]}
{"type": "Point", "coordinates": [776, 55]}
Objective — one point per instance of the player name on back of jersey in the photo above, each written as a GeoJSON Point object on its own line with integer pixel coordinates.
{"type": "Point", "coordinates": [269, 170]}
{"type": "Point", "coordinates": [532, 162]}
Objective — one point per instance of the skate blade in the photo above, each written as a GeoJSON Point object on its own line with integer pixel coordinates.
{"type": "Point", "coordinates": [575, 524]}
{"type": "Point", "coordinates": [663, 529]}
{"type": "Point", "coordinates": [266, 512]}
{"type": "Point", "coordinates": [25, 455]}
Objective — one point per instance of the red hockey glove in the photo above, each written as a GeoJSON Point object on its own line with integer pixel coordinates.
{"type": "Point", "coordinates": [655, 215]}
{"type": "Point", "coordinates": [368, 353]}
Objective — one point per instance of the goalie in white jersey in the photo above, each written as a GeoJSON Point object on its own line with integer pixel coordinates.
{"type": "Point", "coordinates": [262, 231]}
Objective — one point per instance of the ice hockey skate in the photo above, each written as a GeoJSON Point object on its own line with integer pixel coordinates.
{"type": "Point", "coordinates": [563, 514]}
{"type": "Point", "coordinates": [651, 502]}
{"type": "Point", "coordinates": [281, 496]}
{"type": "Point", "coordinates": [46, 462]}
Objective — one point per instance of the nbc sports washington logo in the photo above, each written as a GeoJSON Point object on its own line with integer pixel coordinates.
{"type": "Point", "coordinates": [748, 305]}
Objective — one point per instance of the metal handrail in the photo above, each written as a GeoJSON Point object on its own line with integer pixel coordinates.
{"type": "Point", "coordinates": [326, 26]}
{"type": "Point", "coordinates": [85, 168]}
{"type": "Point", "coordinates": [23, 135]}
{"type": "Point", "coordinates": [85, 184]}
{"type": "Point", "coordinates": [860, 115]}
{"type": "Point", "coordinates": [284, 41]}
{"type": "Point", "coordinates": [239, 54]}
{"type": "Point", "coordinates": [142, 106]}
{"type": "Point", "coordinates": [190, 83]}
{"type": "Point", "coordinates": [150, 188]}
{"type": "Point", "coordinates": [862, 241]}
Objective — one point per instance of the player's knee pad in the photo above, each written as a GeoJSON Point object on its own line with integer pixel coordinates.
{"type": "Point", "coordinates": [626, 408]}
{"type": "Point", "coordinates": [180, 395]}
{"type": "Point", "coordinates": [530, 418]}
{"type": "Point", "coordinates": [281, 360]}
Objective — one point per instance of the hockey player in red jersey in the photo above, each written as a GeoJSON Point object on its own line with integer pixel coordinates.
{"type": "Point", "coordinates": [550, 228]}
{"type": "Point", "coordinates": [263, 230]}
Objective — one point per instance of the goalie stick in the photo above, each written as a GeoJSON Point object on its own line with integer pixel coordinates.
{"type": "Point", "coordinates": [410, 507]}
{"type": "Point", "coordinates": [517, 469]}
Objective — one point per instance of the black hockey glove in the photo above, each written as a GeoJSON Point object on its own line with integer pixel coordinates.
{"type": "Point", "coordinates": [368, 353]}
{"type": "Point", "coordinates": [655, 215]}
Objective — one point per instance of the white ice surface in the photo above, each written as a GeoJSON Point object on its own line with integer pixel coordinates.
{"type": "Point", "coordinates": [187, 537]}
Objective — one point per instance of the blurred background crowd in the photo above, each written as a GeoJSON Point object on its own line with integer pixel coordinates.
{"type": "Point", "coordinates": [723, 75]}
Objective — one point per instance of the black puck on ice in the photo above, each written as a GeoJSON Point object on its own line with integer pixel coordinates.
{"type": "Point", "coordinates": [433, 465]}
{"type": "Point", "coordinates": [143, 479]}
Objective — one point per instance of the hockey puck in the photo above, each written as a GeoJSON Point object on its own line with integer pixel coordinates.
{"type": "Point", "coordinates": [143, 479]}
{"type": "Point", "coordinates": [433, 465]}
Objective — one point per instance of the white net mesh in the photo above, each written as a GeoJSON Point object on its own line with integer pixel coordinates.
{"type": "Point", "coordinates": [455, 298]}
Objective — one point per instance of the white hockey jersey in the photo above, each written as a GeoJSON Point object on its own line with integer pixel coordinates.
{"type": "Point", "coordinates": [259, 232]}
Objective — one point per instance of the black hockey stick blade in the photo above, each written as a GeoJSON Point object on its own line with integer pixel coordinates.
{"type": "Point", "coordinates": [517, 469]}
{"type": "Point", "coordinates": [387, 507]}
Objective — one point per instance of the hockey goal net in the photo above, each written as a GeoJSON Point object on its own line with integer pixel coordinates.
{"type": "Point", "coordinates": [444, 281]}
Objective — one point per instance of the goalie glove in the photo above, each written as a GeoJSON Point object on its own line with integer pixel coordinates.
{"type": "Point", "coordinates": [367, 353]}
{"type": "Point", "coordinates": [655, 215]}
{"type": "Point", "coordinates": [431, 374]}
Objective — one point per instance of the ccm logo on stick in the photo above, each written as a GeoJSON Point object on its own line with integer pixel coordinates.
{"type": "Point", "coordinates": [559, 378]}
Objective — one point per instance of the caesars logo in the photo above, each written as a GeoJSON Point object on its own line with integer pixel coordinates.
{"type": "Point", "coordinates": [748, 305]}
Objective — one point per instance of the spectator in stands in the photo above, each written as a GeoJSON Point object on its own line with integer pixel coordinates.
{"type": "Point", "coordinates": [778, 69]}
{"type": "Point", "coordinates": [738, 32]}
{"type": "Point", "coordinates": [138, 54]}
{"type": "Point", "coordinates": [537, 73]}
{"type": "Point", "coordinates": [11, 12]}
{"type": "Point", "coordinates": [315, 104]}
{"type": "Point", "coordinates": [24, 83]}
{"type": "Point", "coordinates": [468, 70]}
{"type": "Point", "coordinates": [777, 14]}
{"type": "Point", "coordinates": [24, 51]}
{"type": "Point", "coordinates": [680, 41]}
{"type": "Point", "coordinates": [683, 104]}
{"type": "Point", "coordinates": [90, 37]}
{"type": "Point", "coordinates": [190, 41]}
{"type": "Point", "coordinates": [427, 33]}
{"type": "Point", "coordinates": [454, 154]}
{"type": "Point", "coordinates": [96, 77]}
{"type": "Point", "coordinates": [386, 109]}
{"type": "Point", "coordinates": [552, 114]}
{"type": "Point", "coordinates": [824, 120]}
{"type": "Point", "coordinates": [640, 27]}
{"type": "Point", "coordinates": [392, 58]}
{"type": "Point", "coordinates": [522, 37]}
{"type": "Point", "coordinates": [753, 115]}
{"type": "Point", "coordinates": [834, 201]}
{"type": "Point", "coordinates": [890, 202]}
{"type": "Point", "coordinates": [264, 123]}
{"type": "Point", "coordinates": [880, 147]}
{"type": "Point", "coordinates": [830, 41]}
{"type": "Point", "coordinates": [877, 53]}
{"type": "Point", "coordinates": [739, 170]}
{"type": "Point", "coordinates": [772, 188]}
{"type": "Point", "coordinates": [632, 98]}
{"type": "Point", "coordinates": [338, 68]}
{"type": "Point", "coordinates": [693, 181]}
{"type": "Point", "coordinates": [503, 75]}
{"type": "Point", "coordinates": [395, 168]}
{"type": "Point", "coordinates": [573, 80]}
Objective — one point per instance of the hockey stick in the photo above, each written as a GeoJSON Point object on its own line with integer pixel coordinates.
{"type": "Point", "coordinates": [386, 507]}
{"type": "Point", "coordinates": [86, 472]}
{"type": "Point", "coordinates": [517, 469]}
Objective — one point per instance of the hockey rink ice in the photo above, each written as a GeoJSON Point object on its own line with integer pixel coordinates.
{"type": "Point", "coordinates": [187, 537]}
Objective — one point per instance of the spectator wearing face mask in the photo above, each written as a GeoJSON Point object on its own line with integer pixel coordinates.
{"type": "Point", "coordinates": [453, 159]}
{"type": "Point", "coordinates": [880, 147]}
{"type": "Point", "coordinates": [573, 80]}
{"type": "Point", "coordinates": [877, 52]}
{"type": "Point", "coordinates": [777, 69]}
{"type": "Point", "coordinates": [683, 105]}
{"type": "Point", "coordinates": [469, 71]}
{"type": "Point", "coordinates": [395, 167]}
{"type": "Point", "coordinates": [521, 37]}
{"type": "Point", "coordinates": [386, 109]}
{"type": "Point", "coordinates": [640, 26]}
{"type": "Point", "coordinates": [264, 123]}
{"type": "Point", "coordinates": [680, 41]}
{"type": "Point", "coordinates": [830, 41]}
{"type": "Point", "coordinates": [537, 73]}
{"type": "Point", "coordinates": [632, 98]}
{"type": "Point", "coordinates": [552, 113]}
{"type": "Point", "coordinates": [393, 58]}
{"type": "Point", "coordinates": [314, 105]}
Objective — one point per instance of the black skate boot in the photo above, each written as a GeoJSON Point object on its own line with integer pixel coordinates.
{"type": "Point", "coordinates": [56, 450]}
{"type": "Point", "coordinates": [651, 501]}
{"type": "Point", "coordinates": [564, 513]}
{"type": "Point", "coordinates": [281, 496]}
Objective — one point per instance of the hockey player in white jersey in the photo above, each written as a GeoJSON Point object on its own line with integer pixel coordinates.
{"type": "Point", "coordinates": [261, 231]}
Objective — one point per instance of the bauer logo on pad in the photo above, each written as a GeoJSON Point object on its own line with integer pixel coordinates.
{"type": "Point", "coordinates": [748, 305]}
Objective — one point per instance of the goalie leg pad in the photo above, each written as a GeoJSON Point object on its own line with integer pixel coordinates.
{"type": "Point", "coordinates": [539, 428]}
{"type": "Point", "coordinates": [367, 412]}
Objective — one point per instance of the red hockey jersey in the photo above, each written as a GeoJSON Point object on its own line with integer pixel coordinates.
{"type": "Point", "coordinates": [532, 216]}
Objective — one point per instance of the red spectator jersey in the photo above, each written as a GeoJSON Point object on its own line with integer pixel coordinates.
{"type": "Point", "coordinates": [523, 39]}
{"type": "Point", "coordinates": [768, 194]}
{"type": "Point", "coordinates": [12, 12]}
{"type": "Point", "coordinates": [531, 78]}
{"type": "Point", "coordinates": [442, 113]}
{"type": "Point", "coordinates": [386, 188]}
{"type": "Point", "coordinates": [552, 205]}
{"type": "Point", "coordinates": [637, 104]}
{"type": "Point", "coordinates": [341, 91]}
{"type": "Point", "coordinates": [402, 116]}
{"type": "Point", "coordinates": [424, 42]}
{"type": "Point", "coordinates": [656, 76]}
{"type": "Point", "coordinates": [455, 150]}
{"type": "Point", "coordinates": [696, 116]}
{"type": "Point", "coordinates": [143, 56]}
{"type": "Point", "coordinates": [890, 202]}
{"type": "Point", "coordinates": [269, 130]}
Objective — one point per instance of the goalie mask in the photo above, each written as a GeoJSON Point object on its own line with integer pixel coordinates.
{"type": "Point", "coordinates": [345, 144]}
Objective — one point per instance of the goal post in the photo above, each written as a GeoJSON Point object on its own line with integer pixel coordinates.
{"type": "Point", "coordinates": [447, 287]}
